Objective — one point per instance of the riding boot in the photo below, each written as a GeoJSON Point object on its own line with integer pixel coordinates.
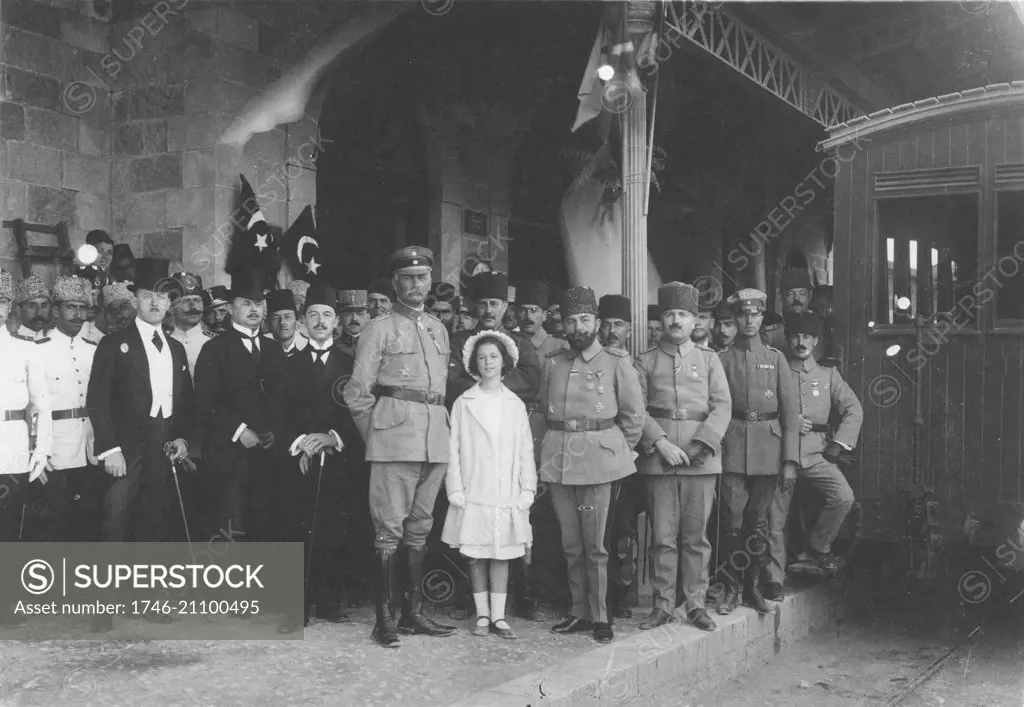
{"type": "Point", "coordinates": [384, 630]}
{"type": "Point", "coordinates": [728, 575]}
{"type": "Point", "coordinates": [756, 543]}
{"type": "Point", "coordinates": [752, 596]}
{"type": "Point", "coordinates": [617, 594]}
{"type": "Point", "coordinates": [525, 590]}
{"type": "Point", "coordinates": [413, 621]}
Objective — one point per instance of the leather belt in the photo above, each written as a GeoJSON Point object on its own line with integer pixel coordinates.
{"type": "Point", "coordinates": [678, 414]}
{"type": "Point", "coordinates": [754, 416]}
{"type": "Point", "coordinates": [70, 414]}
{"type": "Point", "coordinates": [533, 408]}
{"type": "Point", "coordinates": [11, 415]}
{"type": "Point", "coordinates": [581, 424]}
{"type": "Point", "coordinates": [820, 428]}
{"type": "Point", "coordinates": [413, 396]}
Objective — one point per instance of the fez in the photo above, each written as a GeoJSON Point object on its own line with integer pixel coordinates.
{"type": "Point", "coordinates": [412, 260]}
{"type": "Point", "coordinates": [678, 295]}
{"type": "Point", "coordinates": [796, 279]}
{"type": "Point", "coordinates": [748, 301]}
{"type": "Point", "coordinates": [614, 307]}
{"type": "Point", "coordinates": [804, 323]}
{"type": "Point", "coordinates": [653, 313]}
{"type": "Point", "coordinates": [69, 288]}
{"type": "Point", "coordinates": [280, 300]}
{"type": "Point", "coordinates": [578, 300]}
{"type": "Point", "coordinates": [489, 285]}
{"type": "Point", "coordinates": [151, 274]}
{"type": "Point", "coordinates": [319, 293]}
{"type": "Point", "coordinates": [535, 293]}
{"type": "Point", "coordinates": [351, 300]}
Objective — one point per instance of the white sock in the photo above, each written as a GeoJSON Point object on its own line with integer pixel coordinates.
{"type": "Point", "coordinates": [497, 607]}
{"type": "Point", "coordinates": [481, 604]}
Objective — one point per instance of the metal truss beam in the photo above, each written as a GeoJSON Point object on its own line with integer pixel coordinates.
{"type": "Point", "coordinates": [712, 28]}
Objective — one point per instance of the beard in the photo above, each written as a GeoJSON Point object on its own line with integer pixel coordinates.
{"type": "Point", "coordinates": [581, 341]}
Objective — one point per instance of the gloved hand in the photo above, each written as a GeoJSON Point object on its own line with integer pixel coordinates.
{"type": "Point", "coordinates": [697, 452]}
{"type": "Point", "coordinates": [525, 500]}
{"type": "Point", "coordinates": [457, 499]}
{"type": "Point", "coordinates": [834, 453]}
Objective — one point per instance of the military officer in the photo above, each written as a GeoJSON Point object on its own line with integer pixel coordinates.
{"type": "Point", "coordinates": [490, 292]}
{"type": "Point", "coordinates": [796, 298]}
{"type": "Point", "coordinates": [760, 450]}
{"type": "Point", "coordinates": [615, 333]}
{"type": "Point", "coordinates": [553, 321]}
{"type": "Point", "coordinates": [119, 307]}
{"type": "Point", "coordinates": [22, 381]}
{"type": "Point", "coordinates": [353, 316]}
{"type": "Point", "coordinates": [217, 315]}
{"type": "Point", "coordinates": [379, 297]}
{"type": "Point", "coordinates": [33, 300]}
{"type": "Point", "coordinates": [465, 317]}
{"type": "Point", "coordinates": [442, 307]}
{"type": "Point", "coordinates": [594, 408]}
{"type": "Point", "coordinates": [653, 325]}
{"type": "Point", "coordinates": [396, 396]}
{"type": "Point", "coordinates": [67, 353]}
{"type": "Point", "coordinates": [822, 392]}
{"type": "Point", "coordinates": [532, 302]}
{"type": "Point", "coordinates": [187, 310]}
{"type": "Point", "coordinates": [724, 332]}
{"type": "Point", "coordinates": [284, 322]}
{"type": "Point", "coordinates": [688, 412]}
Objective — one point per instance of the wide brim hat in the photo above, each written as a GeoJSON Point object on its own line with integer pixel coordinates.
{"type": "Point", "coordinates": [510, 347]}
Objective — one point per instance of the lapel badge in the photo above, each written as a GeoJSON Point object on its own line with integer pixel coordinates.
{"type": "Point", "coordinates": [769, 394]}
{"type": "Point", "coordinates": [124, 348]}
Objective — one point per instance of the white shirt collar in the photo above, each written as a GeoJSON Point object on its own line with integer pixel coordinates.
{"type": "Point", "coordinates": [327, 345]}
{"type": "Point", "coordinates": [245, 331]}
{"type": "Point", "coordinates": [147, 330]}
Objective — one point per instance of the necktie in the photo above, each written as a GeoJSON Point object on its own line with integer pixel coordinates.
{"type": "Point", "coordinates": [318, 356]}
{"type": "Point", "coordinates": [157, 342]}
{"type": "Point", "coordinates": [254, 346]}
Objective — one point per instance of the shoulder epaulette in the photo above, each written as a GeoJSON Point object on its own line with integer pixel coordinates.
{"type": "Point", "coordinates": [41, 341]}
{"type": "Point", "coordinates": [617, 352]}
{"type": "Point", "coordinates": [381, 317]}
{"type": "Point", "coordinates": [90, 341]}
{"type": "Point", "coordinates": [555, 353]}
{"type": "Point", "coordinates": [647, 351]}
{"type": "Point", "coordinates": [772, 348]}
{"type": "Point", "coordinates": [431, 315]}
{"type": "Point", "coordinates": [704, 347]}
{"type": "Point", "coordinates": [209, 334]}
{"type": "Point", "coordinates": [22, 337]}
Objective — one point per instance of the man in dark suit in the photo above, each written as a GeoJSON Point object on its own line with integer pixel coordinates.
{"type": "Point", "coordinates": [325, 427]}
{"type": "Point", "coordinates": [139, 400]}
{"type": "Point", "coordinates": [242, 402]}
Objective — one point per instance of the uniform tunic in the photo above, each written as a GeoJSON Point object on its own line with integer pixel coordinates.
{"type": "Point", "coordinates": [193, 340]}
{"type": "Point", "coordinates": [22, 381]}
{"type": "Point", "coordinates": [68, 364]}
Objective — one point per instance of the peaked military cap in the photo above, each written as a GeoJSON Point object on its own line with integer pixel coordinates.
{"type": "Point", "coordinates": [414, 259]}
{"type": "Point", "coordinates": [218, 295]}
{"type": "Point", "coordinates": [381, 286]}
{"type": "Point", "coordinates": [351, 300]}
{"type": "Point", "coordinates": [749, 301]}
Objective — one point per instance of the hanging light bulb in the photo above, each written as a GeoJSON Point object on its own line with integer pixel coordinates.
{"type": "Point", "coordinates": [605, 72]}
{"type": "Point", "coordinates": [871, 325]}
{"type": "Point", "coordinates": [903, 303]}
{"type": "Point", "coordinates": [87, 254]}
{"type": "Point", "coordinates": [892, 350]}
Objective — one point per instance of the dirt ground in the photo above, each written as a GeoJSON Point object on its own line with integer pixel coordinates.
{"type": "Point", "coordinates": [336, 664]}
{"type": "Point", "coordinates": [872, 658]}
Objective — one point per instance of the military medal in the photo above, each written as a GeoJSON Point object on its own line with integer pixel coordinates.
{"type": "Point", "coordinates": [693, 370]}
{"type": "Point", "coordinates": [404, 370]}
{"type": "Point", "coordinates": [814, 389]}
{"type": "Point", "coordinates": [590, 380]}
{"type": "Point", "coordinates": [598, 408]}
{"type": "Point", "coordinates": [600, 385]}
{"type": "Point", "coordinates": [769, 393]}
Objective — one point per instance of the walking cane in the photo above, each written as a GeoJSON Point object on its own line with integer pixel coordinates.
{"type": "Point", "coordinates": [181, 505]}
{"type": "Point", "coordinates": [312, 531]}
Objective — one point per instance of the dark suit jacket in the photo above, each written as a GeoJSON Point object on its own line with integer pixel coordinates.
{"type": "Point", "coordinates": [319, 406]}
{"type": "Point", "coordinates": [231, 389]}
{"type": "Point", "coordinates": [120, 397]}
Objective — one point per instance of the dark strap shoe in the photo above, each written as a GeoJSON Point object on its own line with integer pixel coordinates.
{"type": "Point", "coordinates": [504, 631]}
{"type": "Point", "coordinates": [603, 632]}
{"type": "Point", "coordinates": [658, 617]}
{"type": "Point", "coordinates": [700, 619]}
{"type": "Point", "coordinates": [572, 625]}
{"type": "Point", "coordinates": [772, 591]}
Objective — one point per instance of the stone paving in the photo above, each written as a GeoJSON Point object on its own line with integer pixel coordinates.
{"type": "Point", "coordinates": [336, 664]}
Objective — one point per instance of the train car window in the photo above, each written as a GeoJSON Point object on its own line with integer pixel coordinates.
{"type": "Point", "coordinates": [1009, 271]}
{"type": "Point", "coordinates": [928, 258]}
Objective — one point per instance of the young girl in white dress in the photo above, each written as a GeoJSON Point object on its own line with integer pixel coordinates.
{"type": "Point", "coordinates": [492, 477]}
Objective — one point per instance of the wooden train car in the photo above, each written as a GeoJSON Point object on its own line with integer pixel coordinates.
{"type": "Point", "coordinates": [929, 257]}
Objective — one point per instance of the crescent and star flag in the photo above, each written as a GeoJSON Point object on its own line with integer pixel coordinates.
{"type": "Point", "coordinates": [302, 251]}
{"type": "Point", "coordinates": [254, 244]}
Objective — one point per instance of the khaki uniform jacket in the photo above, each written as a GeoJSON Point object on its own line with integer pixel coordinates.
{"type": "Point", "coordinates": [547, 344]}
{"type": "Point", "coordinates": [690, 380]}
{"type": "Point", "coordinates": [22, 380]}
{"type": "Point", "coordinates": [596, 384]}
{"type": "Point", "coordinates": [408, 349]}
{"type": "Point", "coordinates": [761, 381]}
{"type": "Point", "coordinates": [822, 391]}
{"type": "Point", "coordinates": [68, 367]}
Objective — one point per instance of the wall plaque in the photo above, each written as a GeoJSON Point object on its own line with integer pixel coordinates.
{"type": "Point", "coordinates": [475, 223]}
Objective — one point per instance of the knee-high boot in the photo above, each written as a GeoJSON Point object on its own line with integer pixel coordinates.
{"type": "Point", "coordinates": [413, 621]}
{"type": "Point", "coordinates": [758, 545]}
{"type": "Point", "coordinates": [728, 574]}
{"type": "Point", "coordinates": [384, 630]}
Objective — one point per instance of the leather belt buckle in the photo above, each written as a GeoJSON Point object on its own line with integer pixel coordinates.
{"type": "Point", "coordinates": [679, 414]}
{"type": "Point", "coordinates": [571, 424]}
{"type": "Point", "coordinates": [752, 416]}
